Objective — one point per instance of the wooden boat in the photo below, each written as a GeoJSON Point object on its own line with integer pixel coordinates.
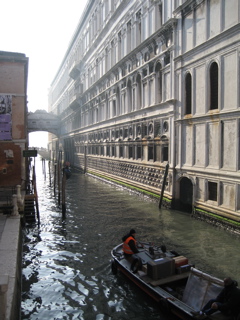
{"type": "Point", "coordinates": [169, 278]}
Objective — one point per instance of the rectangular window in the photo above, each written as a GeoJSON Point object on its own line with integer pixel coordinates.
{"type": "Point", "coordinates": [139, 152]}
{"type": "Point", "coordinates": [113, 151]}
{"type": "Point", "coordinates": [125, 133]}
{"type": "Point", "coordinates": [238, 197]}
{"type": "Point", "coordinates": [214, 86]}
{"type": "Point", "coordinates": [145, 27]}
{"type": "Point", "coordinates": [81, 151]}
{"type": "Point", "coordinates": [155, 158]}
{"type": "Point", "coordinates": [6, 117]}
{"type": "Point", "coordinates": [114, 108]}
{"type": "Point", "coordinates": [121, 151]}
{"type": "Point", "coordinates": [103, 12]}
{"type": "Point", "coordinates": [130, 151]}
{"type": "Point", "coordinates": [165, 153]}
{"type": "Point", "coordinates": [188, 94]}
{"type": "Point", "coordinates": [108, 151]}
{"type": "Point", "coordinates": [151, 22]}
{"type": "Point", "coordinates": [212, 191]}
{"type": "Point", "coordinates": [150, 152]}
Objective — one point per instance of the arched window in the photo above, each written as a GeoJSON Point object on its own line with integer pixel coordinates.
{"type": "Point", "coordinates": [188, 94]}
{"type": "Point", "coordinates": [97, 119]}
{"type": "Point", "coordinates": [139, 28]}
{"type": "Point", "coordinates": [213, 86]}
{"type": "Point", "coordinates": [113, 60]}
{"type": "Point", "coordinates": [158, 71]}
{"type": "Point", "coordinates": [129, 36]}
{"type": "Point", "coordinates": [129, 96]}
{"type": "Point", "coordinates": [139, 92]}
{"type": "Point", "coordinates": [107, 106]}
{"type": "Point", "coordinates": [106, 60]}
{"type": "Point", "coordinates": [119, 111]}
{"type": "Point", "coordinates": [119, 46]}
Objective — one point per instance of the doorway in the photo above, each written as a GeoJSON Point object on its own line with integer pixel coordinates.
{"type": "Point", "coordinates": [186, 195]}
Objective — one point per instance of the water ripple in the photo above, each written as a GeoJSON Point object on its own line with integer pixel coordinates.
{"type": "Point", "coordinates": [66, 264]}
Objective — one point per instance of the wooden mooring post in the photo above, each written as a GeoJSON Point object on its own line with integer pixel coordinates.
{"type": "Point", "coordinates": [36, 194]}
{"type": "Point", "coordinates": [63, 195]}
{"type": "Point", "coordinates": [163, 185]}
{"type": "Point", "coordinates": [55, 178]}
{"type": "Point", "coordinates": [49, 172]}
{"type": "Point", "coordinates": [59, 176]}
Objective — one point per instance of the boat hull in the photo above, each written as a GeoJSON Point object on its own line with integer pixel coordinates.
{"type": "Point", "coordinates": [168, 302]}
{"type": "Point", "coordinates": [163, 300]}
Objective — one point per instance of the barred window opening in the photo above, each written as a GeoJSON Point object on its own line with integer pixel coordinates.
{"type": "Point", "coordinates": [214, 86]}
{"type": "Point", "coordinates": [188, 93]}
{"type": "Point", "coordinates": [212, 191]}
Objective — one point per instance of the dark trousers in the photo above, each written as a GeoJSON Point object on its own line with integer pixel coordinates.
{"type": "Point", "coordinates": [207, 308]}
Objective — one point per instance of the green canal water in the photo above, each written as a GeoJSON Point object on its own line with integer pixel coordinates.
{"type": "Point", "coordinates": [67, 263]}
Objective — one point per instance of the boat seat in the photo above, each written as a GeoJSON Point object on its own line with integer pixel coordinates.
{"type": "Point", "coordinates": [200, 288]}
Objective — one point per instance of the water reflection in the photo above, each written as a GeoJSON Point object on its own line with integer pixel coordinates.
{"type": "Point", "coordinates": [66, 268]}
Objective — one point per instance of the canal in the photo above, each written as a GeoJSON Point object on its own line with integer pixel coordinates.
{"type": "Point", "coordinates": [66, 263]}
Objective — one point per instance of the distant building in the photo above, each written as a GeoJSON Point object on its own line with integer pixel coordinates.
{"type": "Point", "coordinates": [149, 82]}
{"type": "Point", "coordinates": [13, 118]}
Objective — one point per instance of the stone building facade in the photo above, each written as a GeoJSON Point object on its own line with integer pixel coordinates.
{"type": "Point", "coordinates": [148, 83]}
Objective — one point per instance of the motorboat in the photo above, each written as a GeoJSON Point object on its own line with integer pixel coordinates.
{"type": "Point", "coordinates": [169, 278]}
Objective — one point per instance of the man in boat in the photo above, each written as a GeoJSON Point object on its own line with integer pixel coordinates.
{"type": "Point", "coordinates": [228, 301]}
{"type": "Point", "coordinates": [129, 244]}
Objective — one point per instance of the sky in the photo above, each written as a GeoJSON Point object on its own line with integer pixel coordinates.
{"type": "Point", "coordinates": [42, 30]}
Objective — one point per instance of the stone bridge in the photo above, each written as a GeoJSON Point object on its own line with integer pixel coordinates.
{"type": "Point", "coordinates": [41, 120]}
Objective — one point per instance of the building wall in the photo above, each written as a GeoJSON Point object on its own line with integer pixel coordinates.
{"type": "Point", "coordinates": [208, 151]}
{"type": "Point", "coordinates": [109, 89]}
{"type": "Point", "coordinates": [13, 130]}
{"type": "Point", "coordinates": [146, 83]}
